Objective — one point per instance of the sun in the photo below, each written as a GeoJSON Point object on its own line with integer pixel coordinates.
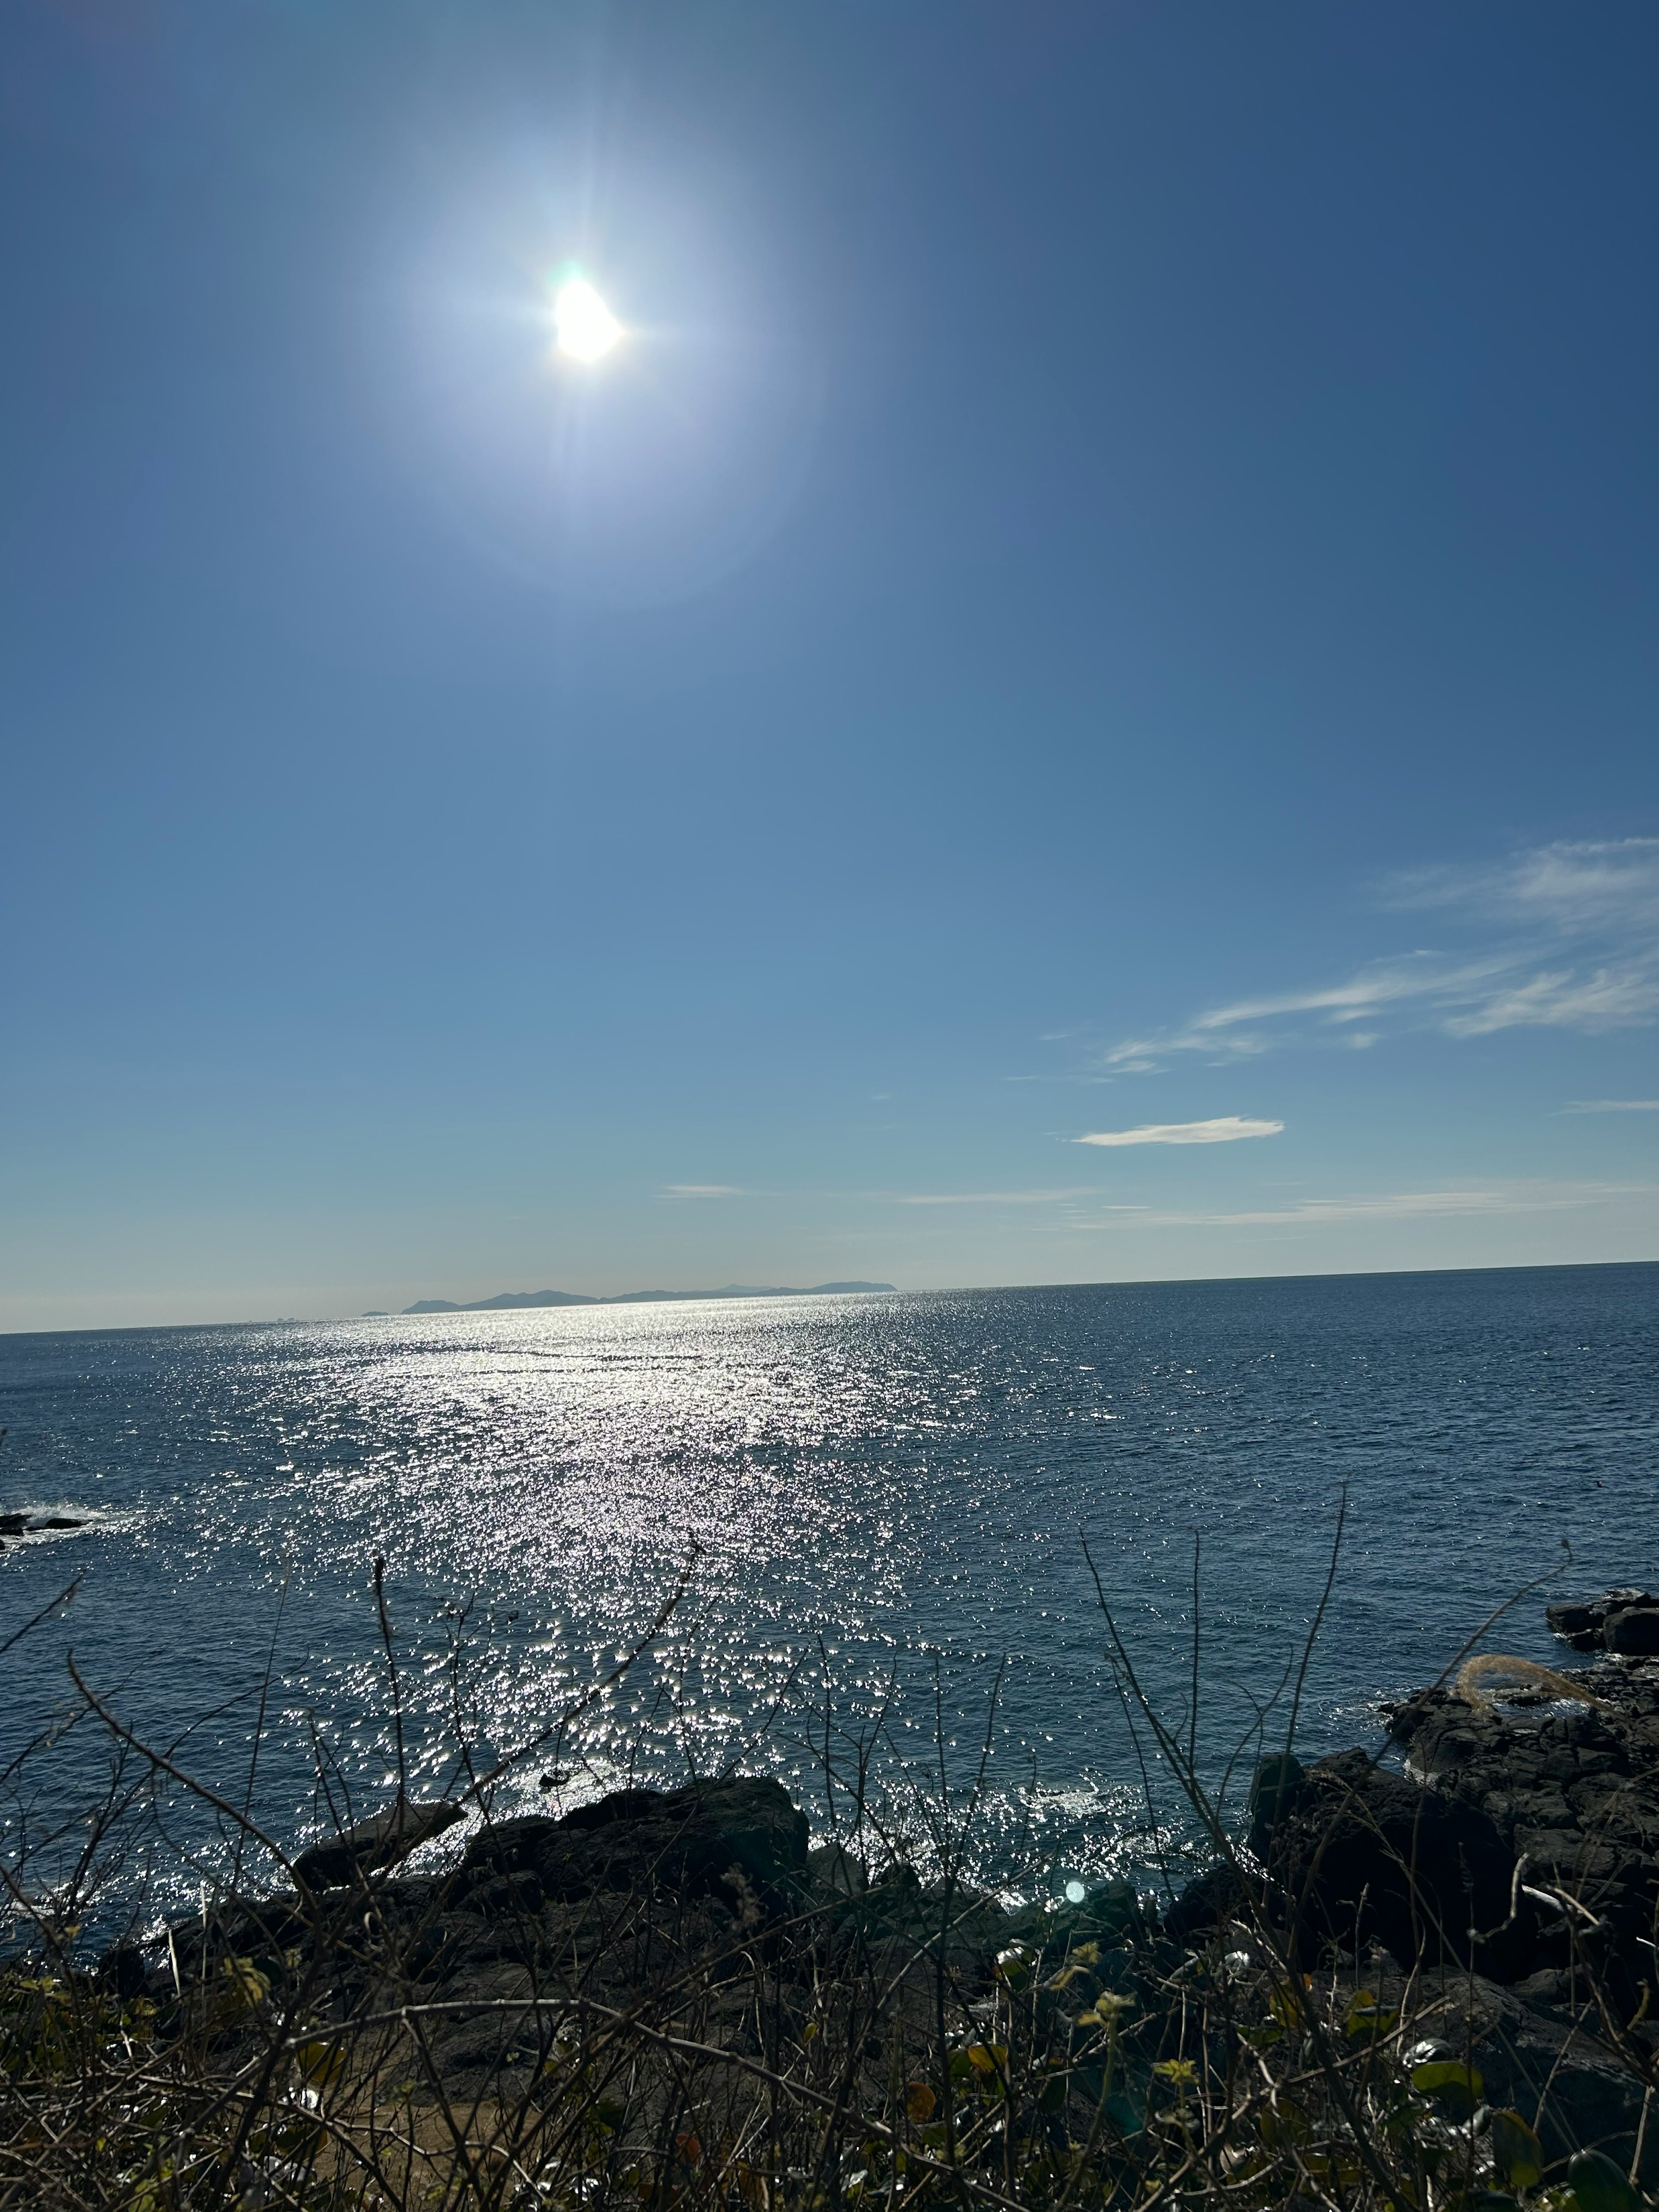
{"type": "Point", "coordinates": [583, 326]}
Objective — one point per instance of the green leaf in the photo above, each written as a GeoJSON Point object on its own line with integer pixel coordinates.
{"type": "Point", "coordinates": [320, 2062]}
{"type": "Point", "coordinates": [246, 1986]}
{"type": "Point", "coordinates": [1064, 1978]}
{"type": "Point", "coordinates": [1518, 2153]}
{"type": "Point", "coordinates": [1367, 2017]}
{"type": "Point", "coordinates": [1600, 2186]}
{"type": "Point", "coordinates": [1449, 2081]}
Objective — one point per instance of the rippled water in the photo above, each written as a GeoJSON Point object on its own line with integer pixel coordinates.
{"type": "Point", "coordinates": [881, 1500]}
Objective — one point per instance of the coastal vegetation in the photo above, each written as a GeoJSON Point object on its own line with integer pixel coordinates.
{"type": "Point", "coordinates": [1427, 1991]}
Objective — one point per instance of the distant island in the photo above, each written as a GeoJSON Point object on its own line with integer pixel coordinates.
{"type": "Point", "coordinates": [508, 1301]}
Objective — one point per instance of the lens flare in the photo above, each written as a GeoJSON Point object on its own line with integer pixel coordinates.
{"type": "Point", "coordinates": [583, 326]}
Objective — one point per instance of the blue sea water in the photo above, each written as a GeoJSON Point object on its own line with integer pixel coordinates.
{"type": "Point", "coordinates": [881, 1502]}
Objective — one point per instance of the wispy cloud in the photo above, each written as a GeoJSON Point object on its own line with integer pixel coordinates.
{"type": "Point", "coordinates": [997, 1197]}
{"type": "Point", "coordinates": [1570, 887]}
{"type": "Point", "coordinates": [1573, 943]}
{"type": "Point", "coordinates": [1611, 1106]}
{"type": "Point", "coordinates": [1412, 1205]}
{"type": "Point", "coordinates": [706, 1190]}
{"type": "Point", "coordinates": [1226, 1129]}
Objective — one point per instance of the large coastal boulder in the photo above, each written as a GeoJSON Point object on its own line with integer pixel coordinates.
{"type": "Point", "coordinates": [732, 1836]}
{"type": "Point", "coordinates": [1633, 1630]}
{"type": "Point", "coordinates": [1624, 1621]}
{"type": "Point", "coordinates": [1361, 1855]}
{"type": "Point", "coordinates": [1572, 1789]}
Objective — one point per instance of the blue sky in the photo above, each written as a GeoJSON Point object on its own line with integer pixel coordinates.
{"type": "Point", "coordinates": [1108, 588]}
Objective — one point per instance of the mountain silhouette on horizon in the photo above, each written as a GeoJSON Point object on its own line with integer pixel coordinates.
{"type": "Point", "coordinates": [510, 1301]}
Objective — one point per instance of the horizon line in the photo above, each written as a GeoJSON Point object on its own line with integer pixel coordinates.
{"type": "Point", "coordinates": [933, 1291]}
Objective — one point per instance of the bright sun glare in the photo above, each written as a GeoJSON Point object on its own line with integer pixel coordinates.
{"type": "Point", "coordinates": [583, 325]}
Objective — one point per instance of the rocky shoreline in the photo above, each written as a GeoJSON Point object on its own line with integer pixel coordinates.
{"type": "Point", "coordinates": [1517, 1858]}
{"type": "Point", "coordinates": [1503, 1889]}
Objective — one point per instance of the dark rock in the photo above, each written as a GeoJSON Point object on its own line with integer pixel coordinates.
{"type": "Point", "coordinates": [620, 1805]}
{"type": "Point", "coordinates": [1274, 1788]}
{"type": "Point", "coordinates": [1206, 1903]}
{"type": "Point", "coordinates": [836, 1870]}
{"type": "Point", "coordinates": [372, 1844]}
{"type": "Point", "coordinates": [55, 1521]}
{"type": "Point", "coordinates": [1583, 2095]}
{"type": "Point", "coordinates": [1367, 1856]}
{"type": "Point", "coordinates": [122, 1971]}
{"type": "Point", "coordinates": [1632, 1629]}
{"type": "Point", "coordinates": [13, 1524]}
{"type": "Point", "coordinates": [1583, 1622]}
{"type": "Point", "coordinates": [498, 2024]}
{"type": "Point", "coordinates": [898, 1915]}
{"type": "Point", "coordinates": [1111, 1914]}
{"type": "Point", "coordinates": [714, 1837]}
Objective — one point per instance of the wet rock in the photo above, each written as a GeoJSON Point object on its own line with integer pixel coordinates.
{"type": "Point", "coordinates": [1578, 1617]}
{"type": "Point", "coordinates": [373, 1844]}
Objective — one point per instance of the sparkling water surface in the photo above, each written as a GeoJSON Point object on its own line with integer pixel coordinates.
{"type": "Point", "coordinates": [880, 1500]}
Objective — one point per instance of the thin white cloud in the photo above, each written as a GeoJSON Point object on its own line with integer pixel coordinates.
{"type": "Point", "coordinates": [1412, 1205]}
{"type": "Point", "coordinates": [1611, 1106]}
{"type": "Point", "coordinates": [1610, 998]}
{"type": "Point", "coordinates": [1226, 1129]}
{"type": "Point", "coordinates": [706, 1190]}
{"type": "Point", "coordinates": [1574, 931]}
{"type": "Point", "coordinates": [997, 1197]}
{"type": "Point", "coordinates": [1575, 888]}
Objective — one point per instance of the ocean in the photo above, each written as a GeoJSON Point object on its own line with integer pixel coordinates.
{"type": "Point", "coordinates": [883, 1511]}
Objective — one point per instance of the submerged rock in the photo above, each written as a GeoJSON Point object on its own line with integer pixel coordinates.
{"type": "Point", "coordinates": [30, 1524]}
